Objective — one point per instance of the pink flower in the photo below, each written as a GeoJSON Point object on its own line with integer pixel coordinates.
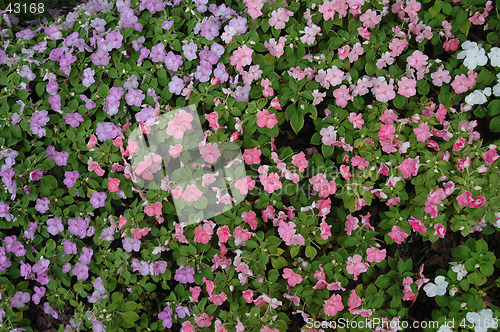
{"type": "Point", "coordinates": [325, 230]}
{"type": "Point", "coordinates": [279, 18]}
{"type": "Point", "coordinates": [175, 150]}
{"type": "Point", "coordinates": [384, 92]}
{"type": "Point", "coordinates": [248, 295]}
{"type": "Point", "coordinates": [245, 184]}
{"type": "Point", "coordinates": [153, 209]}
{"type": "Point", "coordinates": [203, 234]}
{"type": "Point", "coordinates": [459, 144]}
{"type": "Point", "coordinates": [327, 9]}
{"type": "Point", "coordinates": [354, 301]}
{"type": "Point", "coordinates": [417, 60]}
{"type": "Point", "coordinates": [329, 135]}
{"type": "Point", "coordinates": [465, 198]}
{"type": "Point", "coordinates": [264, 119]}
{"type": "Point", "coordinates": [241, 57]}
{"type": "Point", "coordinates": [252, 156]}
{"type": "Point", "coordinates": [271, 182]}
{"type": "Point", "coordinates": [224, 234]}
{"type": "Point", "coordinates": [351, 224]}
{"type": "Point", "coordinates": [409, 167]}
{"type": "Point", "coordinates": [407, 87]}
{"type": "Point", "coordinates": [250, 218]}
{"type": "Point", "coordinates": [300, 161]}
{"type": "Point", "coordinates": [397, 46]}
{"type": "Point", "coordinates": [490, 156]}
{"type": "Point", "coordinates": [374, 254]}
{"type": "Point", "coordinates": [292, 277]}
{"type": "Point", "coordinates": [150, 165]}
{"type": "Point", "coordinates": [417, 225]}
{"type": "Point", "coordinates": [386, 132]}
{"type": "Point", "coordinates": [191, 193]}
{"type": "Point", "coordinates": [356, 120]}
{"type": "Point", "coordinates": [333, 305]}
{"type": "Point", "coordinates": [397, 234]}
{"type": "Point", "coordinates": [422, 132]}
{"type": "Point", "coordinates": [439, 230]}
{"type": "Point", "coordinates": [179, 124]}
{"type": "Point", "coordinates": [210, 152]}
{"type": "Point", "coordinates": [204, 320]}
{"type": "Point", "coordinates": [113, 184]}
{"type": "Point", "coordinates": [440, 76]}
{"type": "Point", "coordinates": [355, 266]}
{"type": "Point", "coordinates": [342, 96]}
{"type": "Point", "coordinates": [478, 201]}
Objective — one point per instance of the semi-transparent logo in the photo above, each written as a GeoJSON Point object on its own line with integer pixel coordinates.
{"type": "Point", "coordinates": [205, 178]}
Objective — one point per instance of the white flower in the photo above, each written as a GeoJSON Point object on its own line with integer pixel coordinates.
{"type": "Point", "coordinates": [444, 328]}
{"type": "Point", "coordinates": [482, 320]}
{"type": "Point", "coordinates": [494, 56]}
{"type": "Point", "coordinates": [474, 56]}
{"type": "Point", "coordinates": [468, 44]}
{"type": "Point", "coordinates": [459, 269]}
{"type": "Point", "coordinates": [436, 289]}
{"type": "Point", "coordinates": [496, 90]}
{"type": "Point", "coordinates": [477, 97]}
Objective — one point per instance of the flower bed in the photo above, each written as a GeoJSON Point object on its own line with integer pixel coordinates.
{"type": "Point", "coordinates": [365, 191]}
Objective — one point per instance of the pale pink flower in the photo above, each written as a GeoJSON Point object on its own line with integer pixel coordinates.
{"type": "Point", "coordinates": [397, 234]}
{"type": "Point", "coordinates": [292, 277]}
{"type": "Point", "coordinates": [333, 305]}
{"type": "Point", "coordinates": [191, 193]}
{"type": "Point", "coordinates": [264, 119]}
{"type": "Point", "coordinates": [355, 266]}
{"type": "Point", "coordinates": [374, 254]}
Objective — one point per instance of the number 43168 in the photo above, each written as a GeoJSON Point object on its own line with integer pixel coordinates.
{"type": "Point", "coordinates": [32, 8]}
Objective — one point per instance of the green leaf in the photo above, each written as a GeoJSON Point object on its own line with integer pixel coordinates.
{"type": "Point", "coordinates": [481, 247]}
{"type": "Point", "coordinates": [495, 124]}
{"type": "Point", "coordinates": [383, 281]}
{"type": "Point", "coordinates": [311, 252]}
{"type": "Point", "coordinates": [297, 122]}
{"type": "Point", "coordinates": [279, 262]}
{"type": "Point", "coordinates": [494, 107]}
{"type": "Point", "coordinates": [129, 317]}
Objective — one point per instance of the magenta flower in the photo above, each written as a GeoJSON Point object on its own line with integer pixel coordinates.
{"type": "Point", "coordinates": [70, 178]}
{"type": "Point", "coordinates": [20, 299]}
{"type": "Point", "coordinates": [100, 57]}
{"type": "Point", "coordinates": [73, 119]}
{"type": "Point", "coordinates": [184, 275]}
{"type": "Point", "coordinates": [176, 85]}
{"type": "Point", "coordinates": [54, 226]}
{"type": "Point", "coordinates": [107, 130]}
{"type": "Point", "coordinates": [81, 271]}
{"type": "Point", "coordinates": [166, 317]}
{"type": "Point", "coordinates": [69, 247]}
{"type": "Point", "coordinates": [37, 122]}
{"type": "Point", "coordinates": [98, 199]}
{"type": "Point", "coordinates": [42, 205]}
{"type": "Point", "coordinates": [173, 61]}
{"type": "Point", "coordinates": [88, 77]}
{"type": "Point", "coordinates": [134, 97]}
{"type": "Point", "coordinates": [190, 51]}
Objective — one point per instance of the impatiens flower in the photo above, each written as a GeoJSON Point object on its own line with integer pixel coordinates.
{"type": "Point", "coordinates": [407, 87]}
{"type": "Point", "coordinates": [374, 254]}
{"type": "Point", "coordinates": [191, 193]}
{"type": "Point", "coordinates": [292, 277]}
{"type": "Point", "coordinates": [98, 199]}
{"type": "Point", "coordinates": [409, 167]}
{"type": "Point", "coordinates": [397, 234]}
{"type": "Point", "coordinates": [166, 317]}
{"type": "Point", "coordinates": [439, 230]}
{"type": "Point", "coordinates": [73, 119]}
{"type": "Point", "coordinates": [179, 124]}
{"type": "Point", "coordinates": [42, 204]}
{"type": "Point", "coordinates": [54, 226]}
{"type": "Point", "coordinates": [20, 299]}
{"type": "Point", "coordinates": [328, 135]}
{"type": "Point", "coordinates": [241, 57]}
{"type": "Point", "coordinates": [355, 266]}
{"type": "Point", "coordinates": [264, 119]}
{"type": "Point", "coordinates": [333, 305]}
{"type": "Point", "coordinates": [185, 275]}
{"type": "Point", "coordinates": [438, 288]}
{"type": "Point", "coordinates": [459, 269]}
